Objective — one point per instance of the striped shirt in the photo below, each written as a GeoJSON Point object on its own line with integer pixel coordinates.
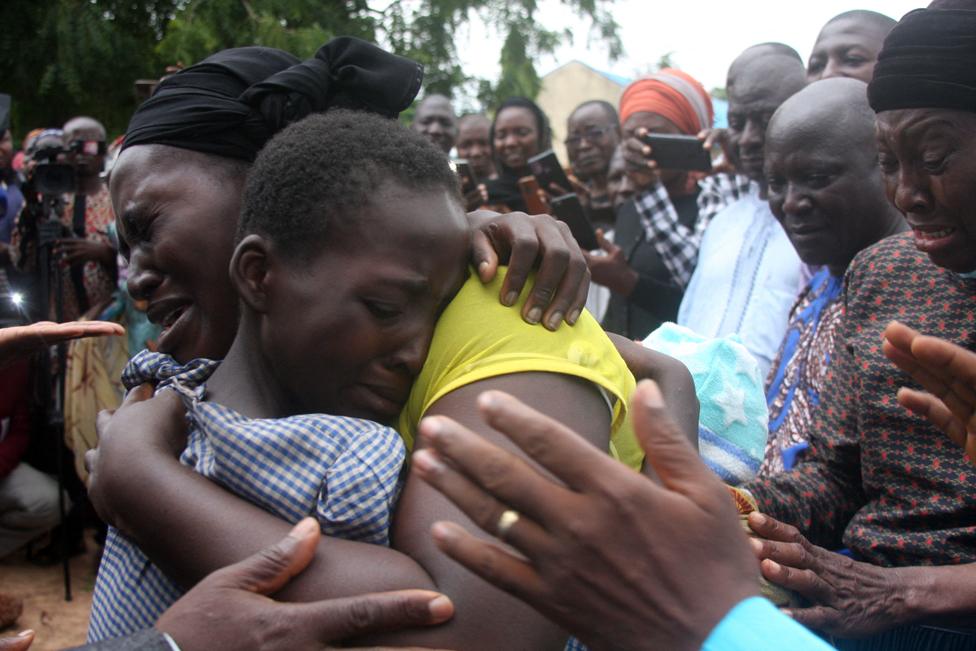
{"type": "Point", "coordinates": [343, 471]}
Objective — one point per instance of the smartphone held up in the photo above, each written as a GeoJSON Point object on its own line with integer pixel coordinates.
{"type": "Point", "coordinates": [678, 152]}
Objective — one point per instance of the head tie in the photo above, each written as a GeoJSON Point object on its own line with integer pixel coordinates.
{"type": "Point", "coordinates": [672, 94]}
{"type": "Point", "coordinates": [928, 61]}
{"type": "Point", "coordinates": [231, 103]}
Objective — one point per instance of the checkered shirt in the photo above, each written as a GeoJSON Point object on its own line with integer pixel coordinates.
{"type": "Point", "coordinates": [343, 471]}
{"type": "Point", "coordinates": [676, 243]}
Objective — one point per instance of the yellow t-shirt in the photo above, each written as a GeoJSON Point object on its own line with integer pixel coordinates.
{"type": "Point", "coordinates": [477, 338]}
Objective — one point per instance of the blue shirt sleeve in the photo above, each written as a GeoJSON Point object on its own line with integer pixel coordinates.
{"type": "Point", "coordinates": [755, 624]}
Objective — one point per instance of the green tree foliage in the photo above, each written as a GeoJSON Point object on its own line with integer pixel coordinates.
{"type": "Point", "coordinates": [69, 57]}
{"type": "Point", "coordinates": [201, 27]}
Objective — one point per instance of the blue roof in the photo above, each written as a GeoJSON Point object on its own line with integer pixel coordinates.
{"type": "Point", "coordinates": [617, 79]}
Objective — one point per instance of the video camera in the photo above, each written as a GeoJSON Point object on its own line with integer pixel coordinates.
{"type": "Point", "coordinates": [51, 176]}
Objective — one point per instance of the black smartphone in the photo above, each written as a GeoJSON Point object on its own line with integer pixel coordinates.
{"type": "Point", "coordinates": [569, 209]}
{"type": "Point", "coordinates": [547, 170]}
{"type": "Point", "coordinates": [465, 173]}
{"type": "Point", "coordinates": [674, 152]}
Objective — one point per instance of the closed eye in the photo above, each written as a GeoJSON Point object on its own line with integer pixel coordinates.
{"type": "Point", "coordinates": [382, 310]}
{"type": "Point", "coordinates": [888, 163]}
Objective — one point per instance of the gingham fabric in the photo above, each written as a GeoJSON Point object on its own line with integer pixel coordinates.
{"type": "Point", "coordinates": [677, 244]}
{"type": "Point", "coordinates": [343, 471]}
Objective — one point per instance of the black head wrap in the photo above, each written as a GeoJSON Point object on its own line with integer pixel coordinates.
{"type": "Point", "coordinates": [928, 61]}
{"type": "Point", "coordinates": [231, 103]}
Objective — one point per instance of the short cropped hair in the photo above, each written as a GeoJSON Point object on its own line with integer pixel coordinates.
{"type": "Point", "coordinates": [886, 23]}
{"type": "Point", "coordinates": [325, 168]}
{"type": "Point", "coordinates": [470, 117]}
{"type": "Point", "coordinates": [777, 48]}
{"type": "Point", "coordinates": [609, 109]}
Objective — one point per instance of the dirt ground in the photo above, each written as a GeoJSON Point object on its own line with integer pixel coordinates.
{"type": "Point", "coordinates": [59, 624]}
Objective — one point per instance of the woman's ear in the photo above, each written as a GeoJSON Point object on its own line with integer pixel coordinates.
{"type": "Point", "coordinates": [250, 271]}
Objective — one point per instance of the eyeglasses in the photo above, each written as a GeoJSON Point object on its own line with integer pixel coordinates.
{"type": "Point", "coordinates": [89, 147]}
{"type": "Point", "coordinates": [593, 134]}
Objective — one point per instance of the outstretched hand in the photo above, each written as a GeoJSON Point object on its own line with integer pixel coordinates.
{"type": "Point", "coordinates": [19, 341]}
{"type": "Point", "coordinates": [230, 609]}
{"type": "Point", "coordinates": [527, 242]}
{"type": "Point", "coordinates": [948, 374]}
{"type": "Point", "coordinates": [610, 555]}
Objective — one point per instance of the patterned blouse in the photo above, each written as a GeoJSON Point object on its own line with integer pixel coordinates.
{"type": "Point", "coordinates": [877, 479]}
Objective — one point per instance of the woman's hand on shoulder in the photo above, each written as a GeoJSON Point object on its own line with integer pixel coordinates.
{"type": "Point", "coordinates": [526, 242]}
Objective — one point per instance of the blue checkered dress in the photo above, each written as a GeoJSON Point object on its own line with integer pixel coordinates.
{"type": "Point", "coordinates": [343, 471]}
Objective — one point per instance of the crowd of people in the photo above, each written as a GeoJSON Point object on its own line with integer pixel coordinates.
{"type": "Point", "coordinates": [296, 348]}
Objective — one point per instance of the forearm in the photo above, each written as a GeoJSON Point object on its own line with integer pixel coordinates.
{"type": "Point", "coordinates": [935, 595]}
{"type": "Point", "coordinates": [678, 389]}
{"type": "Point", "coordinates": [672, 377]}
{"type": "Point", "coordinates": [194, 527]}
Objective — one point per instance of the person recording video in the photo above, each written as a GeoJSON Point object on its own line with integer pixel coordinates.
{"type": "Point", "coordinates": [64, 186]}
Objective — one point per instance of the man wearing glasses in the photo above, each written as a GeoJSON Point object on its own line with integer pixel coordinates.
{"type": "Point", "coordinates": [593, 133]}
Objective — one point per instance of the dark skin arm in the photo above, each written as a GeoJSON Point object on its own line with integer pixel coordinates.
{"type": "Point", "coordinates": [611, 270]}
{"type": "Point", "coordinates": [231, 608]}
{"type": "Point", "coordinates": [21, 341]}
{"type": "Point", "coordinates": [672, 378]}
{"type": "Point", "coordinates": [561, 397]}
{"type": "Point", "coordinates": [188, 538]}
{"type": "Point", "coordinates": [616, 558]}
{"type": "Point", "coordinates": [849, 598]}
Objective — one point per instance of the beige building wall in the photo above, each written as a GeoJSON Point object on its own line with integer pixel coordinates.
{"type": "Point", "coordinates": [567, 87]}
